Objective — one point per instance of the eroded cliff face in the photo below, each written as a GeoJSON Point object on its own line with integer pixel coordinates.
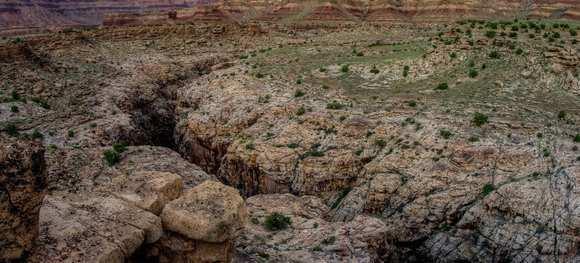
{"type": "Point", "coordinates": [41, 13]}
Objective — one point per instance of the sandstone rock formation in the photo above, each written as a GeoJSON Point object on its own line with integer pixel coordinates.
{"type": "Point", "coordinates": [22, 188]}
{"type": "Point", "coordinates": [200, 226]}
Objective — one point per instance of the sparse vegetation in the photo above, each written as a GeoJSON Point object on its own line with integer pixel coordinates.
{"type": "Point", "coordinates": [445, 134]}
{"type": "Point", "coordinates": [487, 189]}
{"type": "Point", "coordinates": [277, 222]}
{"type": "Point", "coordinates": [442, 86]}
{"type": "Point", "coordinates": [479, 119]}
{"type": "Point", "coordinates": [111, 157]}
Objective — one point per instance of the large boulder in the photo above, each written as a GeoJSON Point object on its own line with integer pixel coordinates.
{"type": "Point", "coordinates": [210, 212]}
{"type": "Point", "coordinates": [22, 188]}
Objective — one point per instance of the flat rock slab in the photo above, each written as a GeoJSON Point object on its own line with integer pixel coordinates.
{"type": "Point", "coordinates": [92, 229]}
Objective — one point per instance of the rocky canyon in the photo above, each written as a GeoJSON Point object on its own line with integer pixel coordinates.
{"type": "Point", "coordinates": [289, 131]}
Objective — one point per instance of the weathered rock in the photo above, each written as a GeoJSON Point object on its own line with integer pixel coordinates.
{"type": "Point", "coordinates": [150, 190]}
{"type": "Point", "coordinates": [22, 188]}
{"type": "Point", "coordinates": [92, 229]}
{"type": "Point", "coordinates": [309, 238]}
{"type": "Point", "coordinates": [210, 212]}
{"type": "Point", "coordinates": [175, 248]}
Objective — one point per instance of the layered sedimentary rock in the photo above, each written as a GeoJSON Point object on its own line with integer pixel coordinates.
{"type": "Point", "coordinates": [22, 188]}
{"type": "Point", "coordinates": [42, 13]}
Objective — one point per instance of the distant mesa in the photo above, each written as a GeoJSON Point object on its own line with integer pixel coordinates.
{"type": "Point", "coordinates": [16, 14]}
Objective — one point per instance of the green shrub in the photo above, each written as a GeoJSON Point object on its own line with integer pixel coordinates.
{"type": "Point", "coordinates": [442, 86]}
{"type": "Point", "coordinates": [71, 133]}
{"type": "Point", "coordinates": [111, 157]}
{"type": "Point", "coordinates": [487, 189]}
{"type": "Point", "coordinates": [513, 35]}
{"type": "Point", "coordinates": [15, 96]}
{"type": "Point", "coordinates": [300, 111]}
{"type": "Point", "coordinates": [380, 143]}
{"type": "Point", "coordinates": [490, 34]}
{"type": "Point", "coordinates": [277, 221]}
{"type": "Point", "coordinates": [374, 70]}
{"type": "Point", "coordinates": [412, 104]}
{"type": "Point", "coordinates": [322, 69]}
{"type": "Point", "coordinates": [577, 138]}
{"type": "Point", "coordinates": [480, 119]}
{"type": "Point", "coordinates": [14, 108]}
{"type": "Point", "coordinates": [446, 134]}
{"type": "Point", "coordinates": [11, 130]}
{"type": "Point", "coordinates": [298, 93]}
{"type": "Point", "coordinates": [494, 54]}
{"type": "Point", "coordinates": [573, 32]}
{"type": "Point", "coordinates": [259, 75]}
{"type": "Point", "coordinates": [344, 68]}
{"type": "Point", "coordinates": [37, 135]}
{"type": "Point", "coordinates": [405, 71]}
{"type": "Point", "coordinates": [472, 73]}
{"type": "Point", "coordinates": [519, 51]}
{"type": "Point", "coordinates": [299, 81]}
{"type": "Point", "coordinates": [453, 55]}
{"type": "Point", "coordinates": [473, 139]}
{"type": "Point", "coordinates": [562, 115]}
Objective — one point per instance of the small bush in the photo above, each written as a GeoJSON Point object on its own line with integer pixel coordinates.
{"type": "Point", "coordinates": [442, 86]}
{"type": "Point", "coordinates": [15, 96]}
{"type": "Point", "coordinates": [374, 70]}
{"type": "Point", "coordinates": [412, 104]}
{"type": "Point", "coordinates": [573, 32]}
{"type": "Point", "coordinates": [14, 109]}
{"type": "Point", "coordinates": [259, 75]}
{"type": "Point", "coordinates": [277, 221]}
{"type": "Point", "coordinates": [322, 69]}
{"type": "Point", "coordinates": [513, 35]}
{"type": "Point", "coordinates": [472, 73]}
{"type": "Point", "coordinates": [577, 138]}
{"type": "Point", "coordinates": [11, 130]}
{"type": "Point", "coordinates": [298, 93]}
{"type": "Point", "coordinates": [480, 119]}
{"type": "Point", "coordinates": [37, 135]}
{"type": "Point", "coordinates": [344, 69]}
{"type": "Point", "coordinates": [380, 143]}
{"type": "Point", "coordinates": [453, 55]}
{"type": "Point", "coordinates": [519, 51]}
{"type": "Point", "coordinates": [406, 71]}
{"type": "Point", "coordinates": [490, 34]}
{"type": "Point", "coordinates": [487, 189]}
{"type": "Point", "coordinates": [446, 134]}
{"type": "Point", "coordinates": [111, 157]}
{"type": "Point", "coordinates": [562, 115]}
{"type": "Point", "coordinates": [494, 54]}
{"type": "Point", "coordinates": [71, 133]}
